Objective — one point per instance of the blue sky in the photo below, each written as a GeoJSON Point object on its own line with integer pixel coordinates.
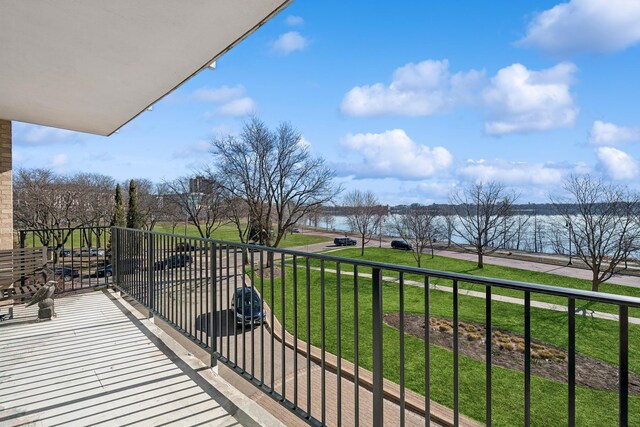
{"type": "Point", "coordinates": [409, 99]}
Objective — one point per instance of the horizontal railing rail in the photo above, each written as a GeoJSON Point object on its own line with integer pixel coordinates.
{"type": "Point", "coordinates": [273, 315]}
{"type": "Point", "coordinates": [79, 256]}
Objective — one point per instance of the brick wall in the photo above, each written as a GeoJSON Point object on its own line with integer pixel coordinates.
{"type": "Point", "coordinates": [6, 187]}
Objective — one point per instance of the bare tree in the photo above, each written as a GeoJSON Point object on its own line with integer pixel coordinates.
{"type": "Point", "coordinates": [149, 204]}
{"type": "Point", "coordinates": [419, 226]}
{"type": "Point", "coordinates": [520, 231]}
{"type": "Point", "coordinates": [556, 237]}
{"type": "Point", "coordinates": [47, 203]}
{"type": "Point", "coordinates": [364, 213]}
{"type": "Point", "coordinates": [274, 175]}
{"type": "Point", "coordinates": [448, 217]}
{"type": "Point", "coordinates": [204, 206]}
{"type": "Point", "coordinates": [602, 225]}
{"type": "Point", "coordinates": [483, 217]}
{"type": "Point", "coordinates": [329, 221]}
{"type": "Point", "coordinates": [95, 205]}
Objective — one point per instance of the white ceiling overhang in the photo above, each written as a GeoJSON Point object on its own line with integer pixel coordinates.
{"type": "Point", "coordinates": [93, 65]}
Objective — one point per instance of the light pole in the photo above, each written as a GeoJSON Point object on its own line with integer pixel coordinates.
{"type": "Point", "coordinates": [568, 224]}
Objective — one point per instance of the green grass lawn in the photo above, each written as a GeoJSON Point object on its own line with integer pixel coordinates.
{"type": "Point", "coordinates": [229, 232]}
{"type": "Point", "coordinates": [225, 232]}
{"type": "Point", "coordinates": [595, 337]}
{"type": "Point", "coordinates": [76, 240]}
{"type": "Point", "coordinates": [453, 265]}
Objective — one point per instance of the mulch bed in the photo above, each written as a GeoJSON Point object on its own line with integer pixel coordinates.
{"type": "Point", "coordinates": [547, 361]}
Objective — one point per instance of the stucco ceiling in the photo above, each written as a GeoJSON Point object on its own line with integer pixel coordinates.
{"type": "Point", "coordinates": [93, 65]}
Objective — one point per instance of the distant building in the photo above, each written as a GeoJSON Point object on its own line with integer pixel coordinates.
{"type": "Point", "coordinates": [200, 184]}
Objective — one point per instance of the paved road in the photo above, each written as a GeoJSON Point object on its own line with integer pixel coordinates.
{"type": "Point", "coordinates": [530, 265]}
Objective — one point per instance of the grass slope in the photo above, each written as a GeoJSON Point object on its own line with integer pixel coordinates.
{"type": "Point", "coordinates": [595, 337]}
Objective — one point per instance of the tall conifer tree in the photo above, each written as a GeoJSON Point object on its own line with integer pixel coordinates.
{"type": "Point", "coordinates": [118, 219]}
{"type": "Point", "coordinates": [134, 219]}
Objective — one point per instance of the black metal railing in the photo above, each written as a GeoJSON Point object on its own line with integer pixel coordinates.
{"type": "Point", "coordinates": [326, 339]}
{"type": "Point", "coordinates": [79, 256]}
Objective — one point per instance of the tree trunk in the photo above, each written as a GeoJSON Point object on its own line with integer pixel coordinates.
{"type": "Point", "coordinates": [480, 260]}
{"type": "Point", "coordinates": [362, 247]}
{"type": "Point", "coordinates": [595, 282]}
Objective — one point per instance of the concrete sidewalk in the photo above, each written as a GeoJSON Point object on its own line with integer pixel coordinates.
{"type": "Point", "coordinates": [567, 271]}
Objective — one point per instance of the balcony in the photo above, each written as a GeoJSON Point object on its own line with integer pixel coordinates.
{"type": "Point", "coordinates": [319, 345]}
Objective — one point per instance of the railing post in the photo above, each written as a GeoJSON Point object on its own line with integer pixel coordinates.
{"type": "Point", "coordinates": [623, 366]}
{"type": "Point", "coordinates": [378, 391]}
{"type": "Point", "coordinates": [150, 275]}
{"type": "Point", "coordinates": [114, 256]}
{"type": "Point", "coordinates": [213, 326]}
{"type": "Point", "coordinates": [22, 238]}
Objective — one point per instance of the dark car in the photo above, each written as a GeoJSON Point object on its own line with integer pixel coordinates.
{"type": "Point", "coordinates": [296, 230]}
{"type": "Point", "coordinates": [344, 241]}
{"type": "Point", "coordinates": [401, 244]}
{"type": "Point", "coordinates": [255, 247]}
{"type": "Point", "coordinates": [65, 252]}
{"type": "Point", "coordinates": [128, 266]}
{"type": "Point", "coordinates": [185, 247]}
{"type": "Point", "coordinates": [61, 251]}
{"type": "Point", "coordinates": [247, 307]}
{"type": "Point", "coordinates": [67, 273]}
{"type": "Point", "coordinates": [106, 271]}
{"type": "Point", "coordinates": [174, 261]}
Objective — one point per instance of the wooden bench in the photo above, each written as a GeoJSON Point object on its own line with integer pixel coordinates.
{"type": "Point", "coordinates": [16, 267]}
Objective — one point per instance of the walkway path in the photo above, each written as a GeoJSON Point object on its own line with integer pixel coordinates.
{"type": "Point", "coordinates": [494, 297]}
{"type": "Point", "coordinates": [530, 265]}
{"type": "Point", "coordinates": [575, 272]}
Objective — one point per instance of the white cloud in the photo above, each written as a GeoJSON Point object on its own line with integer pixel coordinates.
{"type": "Point", "coordinates": [288, 43]}
{"type": "Point", "coordinates": [294, 20]}
{"type": "Point", "coordinates": [59, 161]}
{"type": "Point", "coordinates": [395, 191]}
{"type": "Point", "coordinates": [231, 101]}
{"type": "Point", "coordinates": [517, 100]}
{"type": "Point", "coordinates": [304, 142]}
{"type": "Point", "coordinates": [421, 89]}
{"type": "Point", "coordinates": [520, 100]}
{"type": "Point", "coordinates": [618, 164]}
{"type": "Point", "coordinates": [219, 94]}
{"type": "Point", "coordinates": [34, 134]}
{"type": "Point", "coordinates": [237, 108]}
{"type": "Point", "coordinates": [603, 133]}
{"type": "Point", "coordinates": [197, 149]}
{"type": "Point", "coordinates": [514, 173]}
{"type": "Point", "coordinates": [224, 129]}
{"type": "Point", "coordinates": [393, 154]}
{"type": "Point", "coordinates": [585, 26]}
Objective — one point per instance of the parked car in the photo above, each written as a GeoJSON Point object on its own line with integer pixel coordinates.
{"type": "Point", "coordinates": [106, 271]}
{"type": "Point", "coordinates": [247, 306]}
{"type": "Point", "coordinates": [401, 244]}
{"type": "Point", "coordinates": [61, 251]}
{"type": "Point", "coordinates": [185, 246]}
{"type": "Point", "coordinates": [65, 252]}
{"type": "Point", "coordinates": [181, 260]}
{"type": "Point", "coordinates": [67, 273]}
{"type": "Point", "coordinates": [296, 230]}
{"type": "Point", "coordinates": [89, 252]}
{"type": "Point", "coordinates": [129, 266]}
{"type": "Point", "coordinates": [344, 241]}
{"type": "Point", "coordinates": [255, 247]}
